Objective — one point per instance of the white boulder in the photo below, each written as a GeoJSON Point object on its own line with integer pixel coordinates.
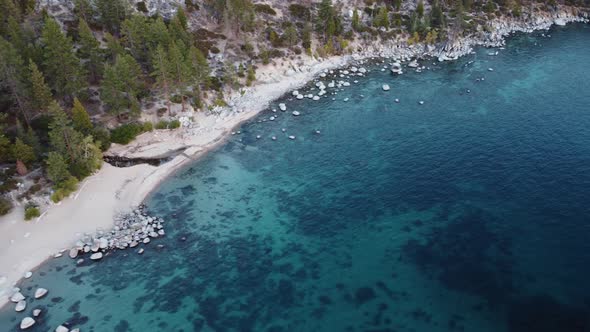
{"type": "Point", "coordinates": [385, 87]}
{"type": "Point", "coordinates": [62, 328]}
{"type": "Point", "coordinates": [21, 306]}
{"type": "Point", "coordinates": [282, 107]}
{"type": "Point", "coordinates": [96, 256]}
{"type": "Point", "coordinates": [26, 323]}
{"type": "Point", "coordinates": [40, 292]}
{"type": "Point", "coordinates": [17, 297]}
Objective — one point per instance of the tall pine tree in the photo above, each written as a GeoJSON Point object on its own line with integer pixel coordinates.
{"type": "Point", "coordinates": [121, 86]}
{"type": "Point", "coordinates": [60, 64]}
{"type": "Point", "coordinates": [40, 95]}
{"type": "Point", "coordinates": [90, 51]}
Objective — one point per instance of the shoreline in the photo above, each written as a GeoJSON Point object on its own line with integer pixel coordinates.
{"type": "Point", "coordinates": [27, 245]}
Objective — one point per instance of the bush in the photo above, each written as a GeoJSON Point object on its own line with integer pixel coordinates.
{"type": "Point", "coordinates": [32, 212]}
{"type": "Point", "coordinates": [162, 124]}
{"type": "Point", "coordinates": [126, 133]}
{"type": "Point", "coordinates": [299, 11]}
{"type": "Point", "coordinates": [64, 189]}
{"type": "Point", "coordinates": [264, 8]}
{"type": "Point", "coordinates": [5, 206]}
{"type": "Point", "coordinates": [102, 137]}
{"type": "Point", "coordinates": [177, 99]}
{"type": "Point", "coordinates": [147, 126]}
{"type": "Point", "coordinates": [174, 124]}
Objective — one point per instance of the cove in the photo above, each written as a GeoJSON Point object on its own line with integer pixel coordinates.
{"type": "Point", "coordinates": [466, 213]}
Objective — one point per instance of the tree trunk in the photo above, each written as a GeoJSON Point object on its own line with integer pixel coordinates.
{"type": "Point", "coordinates": [21, 169]}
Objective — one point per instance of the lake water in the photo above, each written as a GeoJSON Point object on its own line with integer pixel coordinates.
{"type": "Point", "coordinates": [467, 213]}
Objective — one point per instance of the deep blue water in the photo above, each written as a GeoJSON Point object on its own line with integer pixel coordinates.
{"type": "Point", "coordinates": [467, 213]}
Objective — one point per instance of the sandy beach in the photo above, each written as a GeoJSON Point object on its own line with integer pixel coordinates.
{"type": "Point", "coordinates": [25, 245]}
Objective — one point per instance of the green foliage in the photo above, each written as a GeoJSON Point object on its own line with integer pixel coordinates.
{"type": "Point", "coordinates": [420, 9]}
{"type": "Point", "coordinates": [122, 85]}
{"type": "Point", "coordinates": [397, 4]}
{"type": "Point", "coordinates": [61, 66]}
{"type": "Point", "coordinates": [64, 189]}
{"type": "Point", "coordinates": [264, 8]}
{"type": "Point", "coordinates": [174, 124]}
{"type": "Point", "coordinates": [290, 36]}
{"type": "Point", "coordinates": [306, 37]}
{"type": "Point", "coordinates": [112, 13]}
{"type": "Point", "coordinates": [299, 11]}
{"type": "Point", "coordinates": [356, 24]}
{"type": "Point", "coordinates": [5, 206]}
{"type": "Point", "coordinates": [328, 21]}
{"type": "Point", "coordinates": [147, 126]}
{"type": "Point", "coordinates": [32, 212]}
{"type": "Point", "coordinates": [23, 152]}
{"type": "Point", "coordinates": [90, 51]}
{"type": "Point", "coordinates": [251, 76]}
{"type": "Point", "coordinates": [40, 95]}
{"type": "Point", "coordinates": [57, 168]}
{"type": "Point", "coordinates": [102, 138]}
{"type": "Point", "coordinates": [437, 18]}
{"type": "Point", "coordinates": [84, 10]}
{"type": "Point", "coordinates": [127, 132]}
{"type": "Point", "coordinates": [80, 118]}
{"type": "Point", "coordinates": [12, 72]}
{"type": "Point", "coordinates": [382, 18]}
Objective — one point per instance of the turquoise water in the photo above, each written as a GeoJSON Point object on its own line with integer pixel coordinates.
{"type": "Point", "coordinates": [467, 213]}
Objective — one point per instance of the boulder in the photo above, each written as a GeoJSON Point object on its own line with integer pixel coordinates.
{"type": "Point", "coordinates": [385, 87]}
{"type": "Point", "coordinates": [62, 328]}
{"type": "Point", "coordinates": [291, 137]}
{"type": "Point", "coordinates": [17, 297]}
{"type": "Point", "coordinates": [21, 306]}
{"type": "Point", "coordinates": [73, 253]}
{"type": "Point", "coordinates": [28, 274]}
{"type": "Point", "coordinates": [295, 113]}
{"type": "Point", "coordinates": [282, 107]}
{"type": "Point", "coordinates": [40, 292]}
{"type": "Point", "coordinates": [26, 323]}
{"type": "Point", "coordinates": [36, 312]}
{"type": "Point", "coordinates": [96, 256]}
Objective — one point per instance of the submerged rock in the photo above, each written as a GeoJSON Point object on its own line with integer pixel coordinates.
{"type": "Point", "coordinates": [36, 312]}
{"type": "Point", "coordinates": [385, 87]}
{"type": "Point", "coordinates": [62, 328]}
{"type": "Point", "coordinates": [21, 306]}
{"type": "Point", "coordinates": [40, 292]}
{"type": "Point", "coordinates": [17, 297]}
{"type": "Point", "coordinates": [295, 113]}
{"type": "Point", "coordinates": [26, 323]}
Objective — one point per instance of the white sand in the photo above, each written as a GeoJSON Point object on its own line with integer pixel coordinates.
{"type": "Point", "coordinates": [25, 245]}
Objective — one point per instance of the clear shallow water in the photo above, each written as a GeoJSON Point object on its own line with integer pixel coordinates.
{"type": "Point", "coordinates": [467, 213]}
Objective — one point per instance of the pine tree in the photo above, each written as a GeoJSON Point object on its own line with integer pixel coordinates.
{"type": "Point", "coordinates": [8, 9]}
{"type": "Point", "coordinates": [57, 168]}
{"type": "Point", "coordinates": [40, 95]}
{"type": "Point", "coordinates": [12, 77]}
{"type": "Point", "coordinates": [80, 118]}
{"type": "Point", "coordinates": [382, 18]}
{"type": "Point", "coordinates": [112, 13]}
{"type": "Point", "coordinates": [83, 9]}
{"type": "Point", "coordinates": [181, 17]}
{"type": "Point", "coordinates": [23, 152]}
{"type": "Point", "coordinates": [251, 76]}
{"type": "Point", "coordinates": [135, 33]}
{"type": "Point", "coordinates": [437, 17]}
{"type": "Point", "coordinates": [179, 69]}
{"type": "Point", "coordinates": [62, 136]}
{"type": "Point", "coordinates": [121, 85]}
{"type": "Point", "coordinates": [420, 9]}
{"type": "Point", "coordinates": [61, 65]}
{"type": "Point", "coordinates": [161, 72]}
{"type": "Point", "coordinates": [114, 47]}
{"type": "Point", "coordinates": [199, 65]}
{"type": "Point", "coordinates": [356, 24]}
{"type": "Point", "coordinates": [90, 51]}
{"type": "Point", "coordinates": [290, 35]}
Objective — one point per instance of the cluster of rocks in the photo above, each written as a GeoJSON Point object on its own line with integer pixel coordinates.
{"type": "Point", "coordinates": [129, 231]}
{"type": "Point", "coordinates": [20, 300]}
